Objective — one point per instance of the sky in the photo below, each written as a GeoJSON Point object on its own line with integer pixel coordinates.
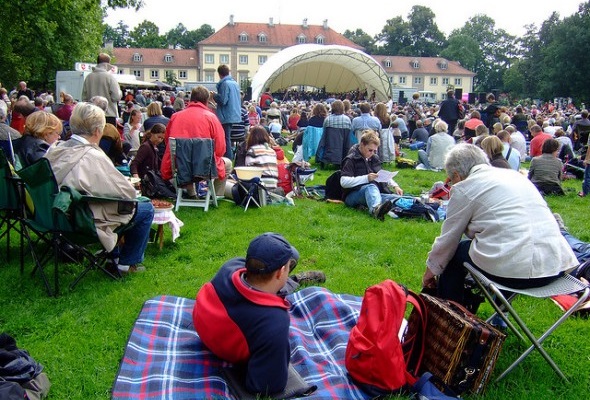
{"type": "Point", "coordinates": [371, 16]}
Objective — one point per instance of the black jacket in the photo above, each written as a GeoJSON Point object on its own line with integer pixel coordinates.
{"type": "Point", "coordinates": [355, 164]}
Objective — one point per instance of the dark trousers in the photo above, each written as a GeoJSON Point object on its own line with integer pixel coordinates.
{"type": "Point", "coordinates": [228, 150]}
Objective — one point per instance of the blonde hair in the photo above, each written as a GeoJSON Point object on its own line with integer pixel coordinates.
{"type": "Point", "coordinates": [154, 109]}
{"type": "Point", "coordinates": [41, 124]}
{"type": "Point", "coordinates": [492, 145]}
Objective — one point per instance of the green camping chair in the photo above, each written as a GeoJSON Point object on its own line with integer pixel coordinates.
{"type": "Point", "coordinates": [64, 225]}
{"type": "Point", "coordinates": [11, 206]}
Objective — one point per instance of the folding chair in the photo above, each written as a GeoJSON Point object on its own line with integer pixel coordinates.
{"type": "Point", "coordinates": [62, 219]}
{"type": "Point", "coordinates": [11, 206]}
{"type": "Point", "coordinates": [193, 160]}
{"type": "Point", "coordinates": [300, 176]}
{"type": "Point", "coordinates": [566, 284]}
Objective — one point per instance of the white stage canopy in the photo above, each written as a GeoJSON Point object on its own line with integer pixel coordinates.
{"type": "Point", "coordinates": [336, 68]}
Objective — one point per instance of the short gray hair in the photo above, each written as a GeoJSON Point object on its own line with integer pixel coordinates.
{"type": "Point", "coordinates": [100, 101]}
{"type": "Point", "coordinates": [86, 118]}
{"type": "Point", "coordinates": [3, 110]}
{"type": "Point", "coordinates": [462, 157]}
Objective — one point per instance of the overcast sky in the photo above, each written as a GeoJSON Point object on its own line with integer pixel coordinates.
{"type": "Point", "coordinates": [370, 16]}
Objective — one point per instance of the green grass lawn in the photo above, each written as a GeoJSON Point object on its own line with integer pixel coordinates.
{"type": "Point", "coordinates": [80, 336]}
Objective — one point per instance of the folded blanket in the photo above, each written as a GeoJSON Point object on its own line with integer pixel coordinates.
{"type": "Point", "coordinates": [165, 359]}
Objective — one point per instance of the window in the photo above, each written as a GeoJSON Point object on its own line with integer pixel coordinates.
{"type": "Point", "coordinates": [433, 81]}
{"type": "Point", "coordinates": [168, 58]}
{"type": "Point", "coordinates": [243, 59]}
{"type": "Point", "coordinates": [137, 57]}
{"type": "Point", "coordinates": [443, 65]}
{"type": "Point", "coordinates": [415, 64]}
{"type": "Point", "coordinates": [209, 76]}
{"type": "Point", "coordinates": [417, 80]}
{"type": "Point", "coordinates": [387, 63]}
{"type": "Point", "coordinates": [301, 39]}
{"type": "Point", "coordinates": [262, 38]}
{"type": "Point", "coordinates": [457, 81]}
{"type": "Point", "coordinates": [262, 59]}
{"type": "Point", "coordinates": [243, 37]}
{"type": "Point", "coordinates": [445, 81]}
{"type": "Point", "coordinates": [137, 73]}
{"type": "Point", "coordinates": [154, 74]}
{"type": "Point", "coordinates": [402, 79]}
{"type": "Point", "coordinates": [121, 71]}
{"type": "Point", "coordinates": [209, 58]}
{"type": "Point", "coordinates": [182, 74]}
{"type": "Point", "coordinates": [319, 39]}
{"type": "Point", "coordinates": [224, 59]}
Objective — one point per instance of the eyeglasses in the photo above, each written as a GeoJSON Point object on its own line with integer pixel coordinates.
{"type": "Point", "coordinates": [292, 264]}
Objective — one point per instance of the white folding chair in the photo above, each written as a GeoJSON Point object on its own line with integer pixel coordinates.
{"type": "Point", "coordinates": [566, 284]}
{"type": "Point", "coordinates": [209, 175]}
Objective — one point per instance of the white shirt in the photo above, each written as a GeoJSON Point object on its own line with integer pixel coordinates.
{"type": "Point", "coordinates": [514, 157]}
{"type": "Point", "coordinates": [518, 141]}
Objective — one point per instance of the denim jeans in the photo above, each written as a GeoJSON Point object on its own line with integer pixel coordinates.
{"type": "Point", "coordinates": [417, 145]}
{"type": "Point", "coordinates": [136, 237]}
{"type": "Point", "coordinates": [228, 149]}
{"type": "Point", "coordinates": [586, 182]}
{"type": "Point", "coordinates": [368, 195]}
{"type": "Point", "coordinates": [423, 158]}
{"type": "Point", "coordinates": [581, 249]}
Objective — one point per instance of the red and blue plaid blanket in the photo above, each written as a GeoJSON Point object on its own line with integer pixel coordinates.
{"type": "Point", "coordinates": [165, 359]}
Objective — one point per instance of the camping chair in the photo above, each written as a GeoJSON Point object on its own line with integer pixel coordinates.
{"type": "Point", "coordinates": [11, 206]}
{"type": "Point", "coordinates": [493, 292]}
{"type": "Point", "coordinates": [193, 160]}
{"type": "Point", "coordinates": [63, 223]}
{"type": "Point", "coordinates": [300, 176]}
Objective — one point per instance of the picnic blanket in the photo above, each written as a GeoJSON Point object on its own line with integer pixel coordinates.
{"type": "Point", "coordinates": [165, 359]}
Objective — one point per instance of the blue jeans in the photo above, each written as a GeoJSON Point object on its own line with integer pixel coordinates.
{"type": "Point", "coordinates": [136, 237]}
{"type": "Point", "coordinates": [417, 145]}
{"type": "Point", "coordinates": [586, 182]}
{"type": "Point", "coordinates": [581, 249]}
{"type": "Point", "coordinates": [423, 158]}
{"type": "Point", "coordinates": [368, 195]}
{"type": "Point", "coordinates": [228, 150]}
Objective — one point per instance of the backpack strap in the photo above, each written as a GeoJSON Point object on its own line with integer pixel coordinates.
{"type": "Point", "coordinates": [413, 346]}
{"type": "Point", "coordinates": [509, 151]}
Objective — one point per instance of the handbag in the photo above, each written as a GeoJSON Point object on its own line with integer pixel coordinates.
{"type": "Point", "coordinates": [425, 389]}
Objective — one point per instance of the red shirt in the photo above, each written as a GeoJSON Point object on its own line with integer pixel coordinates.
{"type": "Point", "coordinates": [537, 144]}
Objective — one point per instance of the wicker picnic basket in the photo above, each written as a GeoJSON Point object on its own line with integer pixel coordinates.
{"type": "Point", "coordinates": [460, 349]}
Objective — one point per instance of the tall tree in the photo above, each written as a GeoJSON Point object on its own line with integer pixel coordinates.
{"type": "Point", "coordinates": [394, 37]}
{"type": "Point", "coordinates": [147, 35]}
{"type": "Point", "coordinates": [464, 49]}
{"type": "Point", "coordinates": [181, 38]}
{"type": "Point", "coordinates": [118, 35]}
{"type": "Point", "coordinates": [426, 39]}
{"type": "Point", "coordinates": [361, 38]}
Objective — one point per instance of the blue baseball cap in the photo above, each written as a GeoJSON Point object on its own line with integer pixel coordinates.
{"type": "Point", "coordinates": [272, 250]}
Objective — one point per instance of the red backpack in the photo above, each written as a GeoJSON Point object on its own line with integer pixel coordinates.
{"type": "Point", "coordinates": [375, 358]}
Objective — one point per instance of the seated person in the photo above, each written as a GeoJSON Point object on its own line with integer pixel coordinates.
{"type": "Point", "coordinates": [133, 130]}
{"type": "Point", "coordinates": [359, 171]}
{"type": "Point", "coordinates": [155, 116]}
{"type": "Point", "coordinates": [419, 136]}
{"type": "Point", "coordinates": [110, 141]}
{"type": "Point", "coordinates": [41, 131]}
{"type": "Point", "coordinates": [493, 148]}
{"type": "Point", "coordinates": [147, 157]}
{"type": "Point", "coordinates": [437, 147]}
{"type": "Point", "coordinates": [242, 316]}
{"type": "Point", "coordinates": [512, 236]}
{"type": "Point", "coordinates": [65, 111]}
{"type": "Point", "coordinates": [259, 153]}
{"type": "Point", "coordinates": [81, 164]}
{"type": "Point", "coordinates": [546, 170]}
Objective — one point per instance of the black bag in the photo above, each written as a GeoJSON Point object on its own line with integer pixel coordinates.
{"type": "Point", "coordinates": [239, 193]}
{"type": "Point", "coordinates": [333, 188]}
{"type": "Point", "coordinates": [154, 187]}
{"type": "Point", "coordinates": [409, 207]}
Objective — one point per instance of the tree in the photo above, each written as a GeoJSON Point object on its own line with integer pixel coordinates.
{"type": "Point", "coordinates": [426, 39]}
{"type": "Point", "coordinates": [463, 49]}
{"type": "Point", "coordinates": [361, 38]}
{"type": "Point", "coordinates": [147, 35]}
{"type": "Point", "coordinates": [180, 38]}
{"type": "Point", "coordinates": [393, 37]}
{"type": "Point", "coordinates": [118, 35]}
{"type": "Point", "coordinates": [171, 79]}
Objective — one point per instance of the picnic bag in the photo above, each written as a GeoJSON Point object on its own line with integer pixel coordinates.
{"type": "Point", "coordinates": [375, 357]}
{"type": "Point", "coordinates": [401, 162]}
{"type": "Point", "coordinates": [155, 187]}
{"type": "Point", "coordinates": [410, 207]}
{"type": "Point", "coordinates": [461, 350]}
{"type": "Point", "coordinates": [333, 187]}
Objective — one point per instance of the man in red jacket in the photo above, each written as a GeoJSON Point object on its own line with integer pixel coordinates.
{"type": "Point", "coordinates": [197, 121]}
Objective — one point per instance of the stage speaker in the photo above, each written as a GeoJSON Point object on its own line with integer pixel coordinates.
{"type": "Point", "coordinates": [496, 94]}
{"type": "Point", "coordinates": [401, 96]}
{"type": "Point", "coordinates": [459, 94]}
{"type": "Point", "coordinates": [471, 98]}
{"type": "Point", "coordinates": [248, 96]}
{"type": "Point", "coordinates": [482, 97]}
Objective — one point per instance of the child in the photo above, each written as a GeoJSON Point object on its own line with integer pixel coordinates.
{"type": "Point", "coordinates": [253, 116]}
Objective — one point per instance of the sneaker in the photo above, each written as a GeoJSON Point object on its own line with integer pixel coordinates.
{"type": "Point", "coordinates": [581, 194]}
{"type": "Point", "coordinates": [498, 323]}
{"type": "Point", "coordinates": [382, 209]}
{"type": "Point", "coordinates": [560, 222]}
{"type": "Point", "coordinates": [131, 269]}
{"type": "Point", "coordinates": [309, 277]}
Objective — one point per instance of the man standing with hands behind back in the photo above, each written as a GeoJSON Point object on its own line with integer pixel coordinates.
{"type": "Point", "coordinates": [101, 82]}
{"type": "Point", "coordinates": [229, 105]}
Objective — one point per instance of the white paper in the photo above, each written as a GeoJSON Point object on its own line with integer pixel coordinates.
{"type": "Point", "coordinates": [385, 176]}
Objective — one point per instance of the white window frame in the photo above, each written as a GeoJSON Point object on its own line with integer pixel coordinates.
{"type": "Point", "coordinates": [262, 38]}
{"type": "Point", "coordinates": [445, 81]}
{"type": "Point", "coordinates": [433, 81]}
{"type": "Point", "coordinates": [457, 81]}
{"type": "Point", "coordinates": [262, 59]}
{"type": "Point", "coordinates": [224, 59]}
{"type": "Point", "coordinates": [417, 80]}
{"type": "Point", "coordinates": [209, 58]}
{"type": "Point", "coordinates": [243, 59]}
{"type": "Point", "coordinates": [137, 73]}
{"type": "Point", "coordinates": [301, 39]}
{"type": "Point", "coordinates": [182, 74]}
{"type": "Point", "coordinates": [402, 79]}
{"type": "Point", "coordinates": [387, 63]}
{"type": "Point", "coordinates": [319, 39]}
{"type": "Point", "coordinates": [168, 58]}
{"type": "Point", "coordinates": [243, 37]}
{"type": "Point", "coordinates": [209, 76]}
{"type": "Point", "coordinates": [154, 74]}
{"type": "Point", "coordinates": [137, 57]}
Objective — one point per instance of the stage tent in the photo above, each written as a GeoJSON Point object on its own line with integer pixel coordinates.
{"type": "Point", "coordinates": [336, 68]}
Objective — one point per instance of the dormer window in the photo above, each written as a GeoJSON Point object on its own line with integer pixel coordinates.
{"type": "Point", "coordinates": [137, 57]}
{"type": "Point", "coordinates": [415, 63]}
{"type": "Point", "coordinates": [243, 37]}
{"type": "Point", "coordinates": [319, 39]}
{"type": "Point", "coordinates": [168, 58]}
{"type": "Point", "coordinates": [387, 63]}
{"type": "Point", "coordinates": [443, 64]}
{"type": "Point", "coordinates": [262, 38]}
{"type": "Point", "coordinates": [301, 39]}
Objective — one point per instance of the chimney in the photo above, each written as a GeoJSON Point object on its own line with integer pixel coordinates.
{"type": "Point", "coordinates": [231, 20]}
{"type": "Point", "coordinates": [270, 22]}
{"type": "Point", "coordinates": [109, 45]}
{"type": "Point", "coordinates": [325, 24]}
{"type": "Point", "coordinates": [305, 22]}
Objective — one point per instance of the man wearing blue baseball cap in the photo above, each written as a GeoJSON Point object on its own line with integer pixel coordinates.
{"type": "Point", "coordinates": [243, 317]}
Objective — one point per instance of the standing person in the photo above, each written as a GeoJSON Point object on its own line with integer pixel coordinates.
{"type": "Point", "coordinates": [266, 99]}
{"type": "Point", "coordinates": [449, 111]}
{"type": "Point", "coordinates": [511, 234]}
{"type": "Point", "coordinates": [415, 112]}
{"type": "Point", "coordinates": [23, 90]}
{"type": "Point", "coordinates": [197, 121]}
{"type": "Point", "coordinates": [179, 101]}
{"type": "Point", "coordinates": [229, 104]}
{"type": "Point", "coordinates": [101, 82]}
{"type": "Point", "coordinates": [492, 111]}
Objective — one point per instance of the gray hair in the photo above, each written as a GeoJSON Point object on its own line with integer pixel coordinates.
{"type": "Point", "coordinates": [3, 110]}
{"type": "Point", "coordinates": [100, 101]}
{"type": "Point", "coordinates": [462, 157]}
{"type": "Point", "coordinates": [86, 119]}
{"type": "Point", "coordinates": [441, 126]}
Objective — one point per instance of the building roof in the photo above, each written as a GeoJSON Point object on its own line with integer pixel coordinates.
{"type": "Point", "coordinates": [155, 57]}
{"type": "Point", "coordinates": [426, 65]}
{"type": "Point", "coordinates": [277, 35]}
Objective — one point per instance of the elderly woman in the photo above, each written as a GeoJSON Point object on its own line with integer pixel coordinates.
{"type": "Point", "coordinates": [512, 236]}
{"type": "Point", "coordinates": [81, 164]}
{"type": "Point", "coordinates": [437, 147]}
{"type": "Point", "coordinates": [41, 131]}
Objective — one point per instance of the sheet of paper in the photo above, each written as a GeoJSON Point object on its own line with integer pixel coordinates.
{"type": "Point", "coordinates": [385, 176]}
